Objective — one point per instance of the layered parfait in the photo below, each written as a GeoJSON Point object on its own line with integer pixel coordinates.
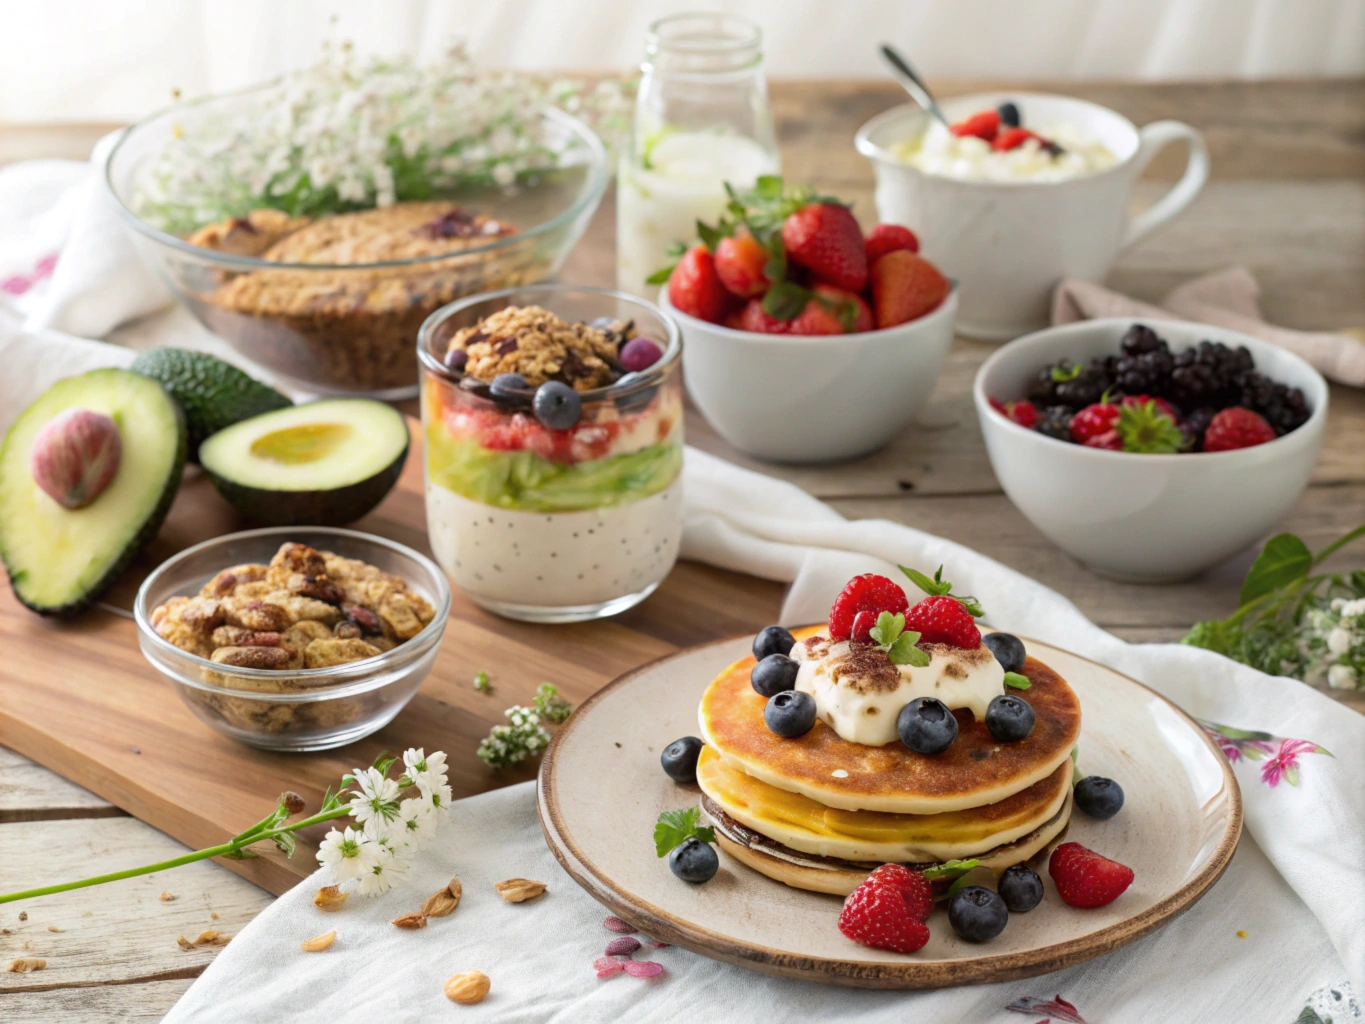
{"type": "Point", "coordinates": [554, 450]}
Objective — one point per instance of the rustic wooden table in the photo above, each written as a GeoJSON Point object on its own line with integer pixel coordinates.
{"type": "Point", "coordinates": [1287, 200]}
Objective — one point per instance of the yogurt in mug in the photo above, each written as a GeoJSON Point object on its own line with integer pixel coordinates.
{"type": "Point", "coordinates": [939, 152]}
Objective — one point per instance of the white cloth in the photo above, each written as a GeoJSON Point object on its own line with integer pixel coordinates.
{"type": "Point", "coordinates": [1296, 885]}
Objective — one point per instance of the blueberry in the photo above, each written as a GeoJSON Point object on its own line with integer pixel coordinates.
{"type": "Point", "coordinates": [790, 713]}
{"type": "Point", "coordinates": [1099, 797]}
{"type": "Point", "coordinates": [977, 914]}
{"type": "Point", "coordinates": [926, 725]}
{"type": "Point", "coordinates": [1020, 888]}
{"type": "Point", "coordinates": [680, 759]}
{"type": "Point", "coordinates": [1008, 650]}
{"type": "Point", "coordinates": [639, 354]}
{"type": "Point", "coordinates": [773, 640]}
{"type": "Point", "coordinates": [1009, 718]}
{"type": "Point", "coordinates": [456, 359]}
{"type": "Point", "coordinates": [1009, 115]}
{"type": "Point", "coordinates": [694, 861]}
{"type": "Point", "coordinates": [774, 674]}
{"type": "Point", "coordinates": [510, 387]}
{"type": "Point", "coordinates": [556, 404]}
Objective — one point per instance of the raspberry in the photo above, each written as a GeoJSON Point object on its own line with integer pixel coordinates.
{"type": "Point", "coordinates": [1011, 138]}
{"type": "Point", "coordinates": [1023, 413]}
{"type": "Point", "coordinates": [888, 910]}
{"type": "Point", "coordinates": [1110, 440]}
{"type": "Point", "coordinates": [1236, 427]}
{"type": "Point", "coordinates": [1093, 420]}
{"type": "Point", "coordinates": [944, 620]}
{"type": "Point", "coordinates": [983, 125]}
{"type": "Point", "coordinates": [1085, 879]}
{"type": "Point", "coordinates": [861, 632]}
{"type": "Point", "coordinates": [866, 593]}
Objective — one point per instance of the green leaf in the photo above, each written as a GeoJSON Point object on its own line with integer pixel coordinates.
{"type": "Point", "coordinates": [661, 275]}
{"type": "Point", "coordinates": [949, 868]}
{"type": "Point", "coordinates": [934, 587]}
{"type": "Point", "coordinates": [242, 854]}
{"type": "Point", "coordinates": [382, 764]}
{"type": "Point", "coordinates": [904, 652]}
{"type": "Point", "coordinates": [888, 628]}
{"type": "Point", "coordinates": [1017, 681]}
{"type": "Point", "coordinates": [1146, 429]}
{"type": "Point", "coordinates": [676, 827]}
{"type": "Point", "coordinates": [285, 842]}
{"type": "Point", "coordinates": [1212, 635]}
{"type": "Point", "coordinates": [785, 300]}
{"type": "Point", "coordinates": [1067, 371]}
{"type": "Point", "coordinates": [1310, 1016]}
{"type": "Point", "coordinates": [1284, 559]}
{"type": "Point", "coordinates": [973, 606]}
{"type": "Point", "coordinates": [481, 682]}
{"type": "Point", "coordinates": [768, 186]}
{"type": "Point", "coordinates": [711, 237]}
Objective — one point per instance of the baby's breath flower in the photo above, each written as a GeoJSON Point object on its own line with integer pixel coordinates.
{"type": "Point", "coordinates": [377, 799]}
{"type": "Point", "coordinates": [522, 737]}
{"type": "Point", "coordinates": [349, 854]}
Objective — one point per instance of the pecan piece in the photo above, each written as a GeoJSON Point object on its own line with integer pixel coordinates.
{"type": "Point", "coordinates": [253, 657]}
{"type": "Point", "coordinates": [367, 620]}
{"type": "Point", "coordinates": [320, 589]}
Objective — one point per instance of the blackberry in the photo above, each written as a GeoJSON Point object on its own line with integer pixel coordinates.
{"type": "Point", "coordinates": [1087, 387]}
{"type": "Point", "coordinates": [1207, 374]}
{"type": "Point", "coordinates": [1042, 390]}
{"type": "Point", "coordinates": [1144, 373]}
{"type": "Point", "coordinates": [1284, 408]}
{"type": "Point", "coordinates": [1054, 421]}
{"type": "Point", "coordinates": [1195, 423]}
{"type": "Point", "coordinates": [1141, 339]}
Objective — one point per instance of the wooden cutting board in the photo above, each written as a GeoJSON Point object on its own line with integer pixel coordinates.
{"type": "Point", "coordinates": [79, 698]}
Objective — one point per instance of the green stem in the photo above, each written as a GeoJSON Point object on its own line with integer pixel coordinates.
{"type": "Point", "coordinates": [230, 847]}
{"type": "Point", "coordinates": [1336, 545]}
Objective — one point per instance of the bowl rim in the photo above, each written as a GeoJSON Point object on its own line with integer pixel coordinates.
{"type": "Point", "coordinates": [377, 668]}
{"type": "Point", "coordinates": [588, 198]}
{"type": "Point", "coordinates": [862, 142]}
{"type": "Point", "coordinates": [1303, 434]}
{"type": "Point", "coordinates": [648, 377]}
{"type": "Point", "coordinates": [947, 307]}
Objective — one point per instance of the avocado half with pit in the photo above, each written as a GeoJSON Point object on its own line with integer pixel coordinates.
{"type": "Point", "coordinates": [323, 463]}
{"type": "Point", "coordinates": [87, 474]}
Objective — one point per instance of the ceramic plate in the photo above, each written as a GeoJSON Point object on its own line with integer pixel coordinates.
{"type": "Point", "coordinates": [601, 790]}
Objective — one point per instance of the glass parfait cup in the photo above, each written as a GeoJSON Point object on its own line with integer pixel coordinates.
{"type": "Point", "coordinates": [701, 119]}
{"type": "Point", "coordinates": [549, 525]}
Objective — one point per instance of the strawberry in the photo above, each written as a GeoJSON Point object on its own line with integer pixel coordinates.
{"type": "Point", "coordinates": [1236, 427]}
{"type": "Point", "coordinates": [740, 260]}
{"type": "Point", "coordinates": [753, 317]}
{"type": "Point", "coordinates": [1161, 405]}
{"type": "Point", "coordinates": [906, 286]}
{"type": "Point", "coordinates": [862, 627]}
{"type": "Point", "coordinates": [1093, 420]}
{"type": "Point", "coordinates": [1150, 426]}
{"type": "Point", "coordinates": [694, 288]}
{"type": "Point", "coordinates": [943, 620]}
{"type": "Point", "coordinates": [1110, 440]}
{"type": "Point", "coordinates": [832, 310]}
{"type": "Point", "coordinates": [866, 593]}
{"type": "Point", "coordinates": [826, 240]}
{"type": "Point", "coordinates": [1012, 138]}
{"type": "Point", "coordinates": [983, 125]}
{"type": "Point", "coordinates": [1024, 413]}
{"type": "Point", "coordinates": [1085, 879]}
{"type": "Point", "coordinates": [885, 238]}
{"type": "Point", "coordinates": [888, 910]}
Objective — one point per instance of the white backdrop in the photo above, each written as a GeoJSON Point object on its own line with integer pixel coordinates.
{"type": "Point", "coordinates": [97, 60]}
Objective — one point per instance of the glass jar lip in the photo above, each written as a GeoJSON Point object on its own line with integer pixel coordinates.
{"type": "Point", "coordinates": [647, 378]}
{"type": "Point", "coordinates": [719, 42]}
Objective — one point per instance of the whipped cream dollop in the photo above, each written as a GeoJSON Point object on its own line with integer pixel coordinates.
{"type": "Point", "coordinates": [938, 151]}
{"type": "Point", "coordinates": [859, 692]}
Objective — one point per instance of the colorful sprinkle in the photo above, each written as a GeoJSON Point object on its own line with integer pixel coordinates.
{"type": "Point", "coordinates": [642, 968]}
{"type": "Point", "coordinates": [624, 945]}
{"type": "Point", "coordinates": [615, 924]}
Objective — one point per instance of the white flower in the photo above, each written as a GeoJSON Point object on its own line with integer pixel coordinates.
{"type": "Point", "coordinates": [416, 820]}
{"type": "Point", "coordinates": [1339, 640]}
{"type": "Point", "coordinates": [378, 797]}
{"type": "Point", "coordinates": [428, 774]}
{"type": "Point", "coordinates": [1341, 677]}
{"type": "Point", "coordinates": [384, 875]}
{"type": "Point", "coordinates": [349, 854]}
{"type": "Point", "coordinates": [1351, 609]}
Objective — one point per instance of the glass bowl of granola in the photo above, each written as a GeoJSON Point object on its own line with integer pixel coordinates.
{"type": "Point", "coordinates": [554, 444]}
{"type": "Point", "coordinates": [315, 222]}
{"type": "Point", "coordinates": [294, 638]}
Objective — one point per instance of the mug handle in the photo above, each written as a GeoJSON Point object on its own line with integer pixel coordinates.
{"type": "Point", "coordinates": [1154, 138]}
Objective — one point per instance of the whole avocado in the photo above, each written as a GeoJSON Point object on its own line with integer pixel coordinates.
{"type": "Point", "coordinates": [213, 394]}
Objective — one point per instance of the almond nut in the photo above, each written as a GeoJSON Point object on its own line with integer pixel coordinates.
{"type": "Point", "coordinates": [184, 943]}
{"type": "Point", "coordinates": [444, 902]}
{"type": "Point", "coordinates": [31, 963]}
{"type": "Point", "coordinates": [211, 938]}
{"type": "Point", "coordinates": [166, 897]}
{"type": "Point", "coordinates": [469, 987]}
{"type": "Point", "coordinates": [330, 898]}
{"type": "Point", "coordinates": [518, 890]}
{"type": "Point", "coordinates": [318, 942]}
{"type": "Point", "coordinates": [411, 921]}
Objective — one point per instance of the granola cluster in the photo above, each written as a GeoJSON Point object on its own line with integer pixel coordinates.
{"type": "Point", "coordinates": [542, 346]}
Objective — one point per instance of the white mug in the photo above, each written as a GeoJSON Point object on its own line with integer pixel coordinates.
{"type": "Point", "coordinates": [1009, 243]}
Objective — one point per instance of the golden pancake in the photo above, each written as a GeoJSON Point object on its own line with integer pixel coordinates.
{"type": "Point", "coordinates": [976, 770]}
{"type": "Point", "coordinates": [840, 878]}
{"type": "Point", "coordinates": [801, 824]}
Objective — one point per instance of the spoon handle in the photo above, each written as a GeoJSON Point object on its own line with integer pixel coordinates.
{"type": "Point", "coordinates": [912, 84]}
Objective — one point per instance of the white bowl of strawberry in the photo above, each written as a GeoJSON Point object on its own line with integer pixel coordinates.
{"type": "Point", "coordinates": [806, 340]}
{"type": "Point", "coordinates": [1150, 451]}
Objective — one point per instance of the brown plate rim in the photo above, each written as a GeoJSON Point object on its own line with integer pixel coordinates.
{"type": "Point", "coordinates": [912, 974]}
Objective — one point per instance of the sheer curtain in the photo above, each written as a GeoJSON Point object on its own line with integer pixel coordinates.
{"type": "Point", "coordinates": [92, 60]}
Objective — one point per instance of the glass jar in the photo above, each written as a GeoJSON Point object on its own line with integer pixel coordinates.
{"type": "Point", "coordinates": [701, 119]}
{"type": "Point", "coordinates": [551, 525]}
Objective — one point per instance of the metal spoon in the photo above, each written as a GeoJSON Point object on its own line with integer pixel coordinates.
{"type": "Point", "coordinates": [911, 83]}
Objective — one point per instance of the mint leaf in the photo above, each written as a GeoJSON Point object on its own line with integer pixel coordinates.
{"type": "Point", "coordinates": [887, 629]}
{"type": "Point", "coordinates": [1284, 559]}
{"type": "Point", "coordinates": [972, 605]}
{"type": "Point", "coordinates": [904, 652]}
{"type": "Point", "coordinates": [661, 275]}
{"type": "Point", "coordinates": [711, 237]}
{"type": "Point", "coordinates": [1016, 680]}
{"type": "Point", "coordinates": [1067, 371]}
{"type": "Point", "coordinates": [676, 827]}
{"type": "Point", "coordinates": [785, 300]}
{"type": "Point", "coordinates": [934, 587]}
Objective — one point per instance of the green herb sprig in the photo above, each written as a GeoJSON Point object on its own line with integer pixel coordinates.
{"type": "Point", "coordinates": [676, 827]}
{"type": "Point", "coordinates": [897, 642]}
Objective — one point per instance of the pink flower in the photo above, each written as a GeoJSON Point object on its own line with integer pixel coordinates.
{"type": "Point", "coordinates": [1284, 763]}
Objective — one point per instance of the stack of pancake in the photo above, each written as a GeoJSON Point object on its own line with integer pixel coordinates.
{"type": "Point", "coordinates": [819, 812]}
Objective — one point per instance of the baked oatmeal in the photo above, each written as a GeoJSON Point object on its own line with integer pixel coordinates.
{"type": "Point", "coordinates": [307, 609]}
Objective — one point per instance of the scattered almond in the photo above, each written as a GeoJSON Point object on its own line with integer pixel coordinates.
{"type": "Point", "coordinates": [330, 898]}
{"type": "Point", "coordinates": [213, 916]}
{"type": "Point", "coordinates": [23, 915]}
{"type": "Point", "coordinates": [26, 945]}
{"type": "Point", "coordinates": [212, 938]}
{"type": "Point", "coordinates": [519, 890]}
{"type": "Point", "coordinates": [319, 942]}
{"type": "Point", "coordinates": [469, 987]}
{"type": "Point", "coordinates": [28, 963]}
{"type": "Point", "coordinates": [166, 897]}
{"type": "Point", "coordinates": [5, 931]}
{"type": "Point", "coordinates": [444, 902]}
{"type": "Point", "coordinates": [54, 928]}
{"type": "Point", "coordinates": [411, 921]}
{"type": "Point", "coordinates": [184, 943]}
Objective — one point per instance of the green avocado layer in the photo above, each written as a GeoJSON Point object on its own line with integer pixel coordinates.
{"type": "Point", "coordinates": [525, 481]}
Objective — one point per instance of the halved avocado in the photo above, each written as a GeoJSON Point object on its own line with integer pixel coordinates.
{"type": "Point", "coordinates": [59, 560]}
{"type": "Point", "coordinates": [319, 464]}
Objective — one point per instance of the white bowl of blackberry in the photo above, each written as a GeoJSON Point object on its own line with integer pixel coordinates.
{"type": "Point", "coordinates": [1151, 451]}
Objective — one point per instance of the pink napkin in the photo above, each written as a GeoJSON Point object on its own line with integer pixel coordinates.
{"type": "Point", "coordinates": [1225, 298]}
